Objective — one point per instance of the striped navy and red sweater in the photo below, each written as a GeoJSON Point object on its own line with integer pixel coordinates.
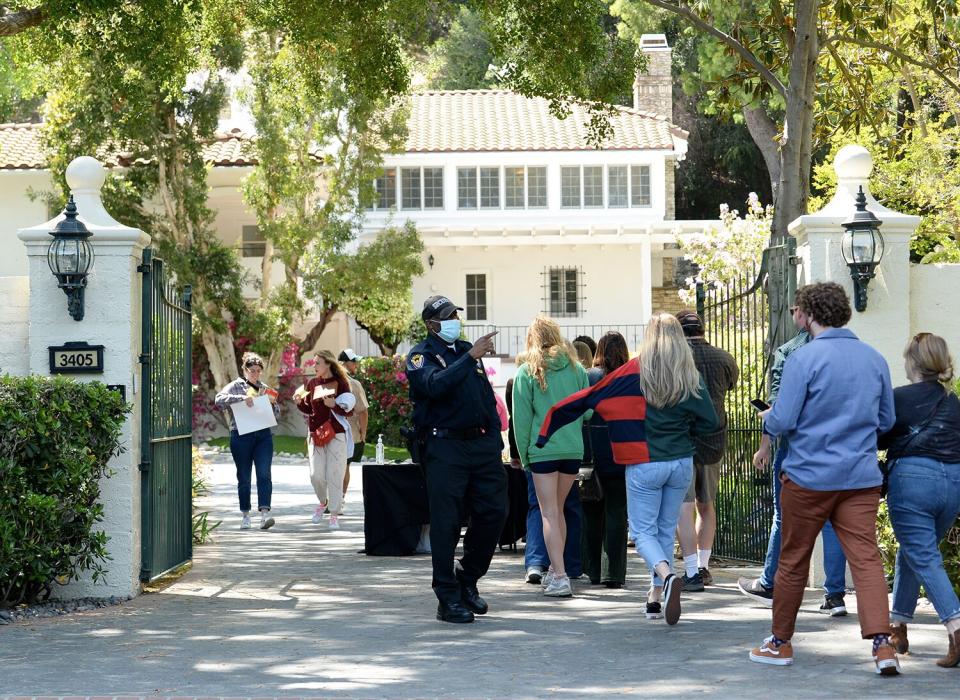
{"type": "Point", "coordinates": [638, 433]}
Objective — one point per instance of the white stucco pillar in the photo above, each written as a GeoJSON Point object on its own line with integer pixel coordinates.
{"type": "Point", "coordinates": [885, 324]}
{"type": "Point", "coordinates": [646, 279]}
{"type": "Point", "coordinates": [111, 319]}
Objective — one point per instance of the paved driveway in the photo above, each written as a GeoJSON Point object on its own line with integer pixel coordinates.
{"type": "Point", "coordinates": [296, 611]}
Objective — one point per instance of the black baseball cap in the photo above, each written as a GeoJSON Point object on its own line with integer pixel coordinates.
{"type": "Point", "coordinates": [438, 307]}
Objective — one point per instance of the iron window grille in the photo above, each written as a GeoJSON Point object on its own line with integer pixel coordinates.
{"type": "Point", "coordinates": [564, 291]}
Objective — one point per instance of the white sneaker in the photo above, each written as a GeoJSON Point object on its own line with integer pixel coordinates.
{"type": "Point", "coordinates": [318, 514]}
{"type": "Point", "coordinates": [245, 523]}
{"type": "Point", "coordinates": [559, 587]}
{"type": "Point", "coordinates": [266, 522]}
{"type": "Point", "coordinates": [534, 574]}
{"type": "Point", "coordinates": [334, 523]}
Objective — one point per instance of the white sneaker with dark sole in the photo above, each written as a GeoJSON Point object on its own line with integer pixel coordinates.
{"type": "Point", "coordinates": [267, 523]}
{"type": "Point", "coordinates": [559, 587]}
{"type": "Point", "coordinates": [534, 574]}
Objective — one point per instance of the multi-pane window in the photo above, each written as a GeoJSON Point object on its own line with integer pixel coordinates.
{"type": "Point", "coordinates": [537, 187]}
{"type": "Point", "coordinates": [252, 243]}
{"type": "Point", "coordinates": [570, 186]}
{"type": "Point", "coordinates": [466, 188]}
{"type": "Point", "coordinates": [640, 185]}
{"type": "Point", "coordinates": [489, 188]}
{"type": "Point", "coordinates": [617, 186]}
{"type": "Point", "coordinates": [513, 188]}
{"type": "Point", "coordinates": [421, 188]}
{"type": "Point", "coordinates": [593, 185]}
{"type": "Point", "coordinates": [476, 297]}
{"type": "Point", "coordinates": [433, 188]}
{"type": "Point", "coordinates": [386, 186]}
{"type": "Point", "coordinates": [410, 188]}
{"type": "Point", "coordinates": [563, 292]}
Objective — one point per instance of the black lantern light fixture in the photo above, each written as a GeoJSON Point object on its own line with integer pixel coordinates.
{"type": "Point", "coordinates": [70, 258]}
{"type": "Point", "coordinates": [430, 260]}
{"type": "Point", "coordinates": [862, 249]}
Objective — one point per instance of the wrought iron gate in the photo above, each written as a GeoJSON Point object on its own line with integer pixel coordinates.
{"type": "Point", "coordinates": [166, 422]}
{"type": "Point", "coordinates": [748, 318]}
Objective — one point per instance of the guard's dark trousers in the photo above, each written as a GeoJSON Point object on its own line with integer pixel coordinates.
{"type": "Point", "coordinates": [465, 480]}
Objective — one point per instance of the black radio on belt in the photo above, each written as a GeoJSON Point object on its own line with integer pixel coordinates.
{"type": "Point", "coordinates": [457, 433]}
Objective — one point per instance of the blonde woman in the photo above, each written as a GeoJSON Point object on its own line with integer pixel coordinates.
{"type": "Point", "coordinates": [326, 401]}
{"type": "Point", "coordinates": [551, 373]}
{"type": "Point", "coordinates": [653, 405]}
{"type": "Point", "coordinates": [923, 458]}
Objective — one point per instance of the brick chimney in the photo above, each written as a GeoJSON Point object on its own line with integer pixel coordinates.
{"type": "Point", "coordinates": [653, 90]}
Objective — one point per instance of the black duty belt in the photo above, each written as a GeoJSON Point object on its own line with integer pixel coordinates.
{"type": "Point", "coordinates": [457, 433]}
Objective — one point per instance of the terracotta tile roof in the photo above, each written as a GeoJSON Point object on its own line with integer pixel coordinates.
{"type": "Point", "coordinates": [500, 120]}
{"type": "Point", "coordinates": [20, 149]}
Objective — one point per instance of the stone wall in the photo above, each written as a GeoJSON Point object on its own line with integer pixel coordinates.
{"type": "Point", "coordinates": [670, 189]}
{"type": "Point", "coordinates": [14, 325]}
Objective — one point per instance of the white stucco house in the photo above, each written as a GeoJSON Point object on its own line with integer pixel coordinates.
{"type": "Point", "coordinates": [519, 215]}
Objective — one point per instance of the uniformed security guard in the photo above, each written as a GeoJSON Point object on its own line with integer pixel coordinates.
{"type": "Point", "coordinates": [455, 414]}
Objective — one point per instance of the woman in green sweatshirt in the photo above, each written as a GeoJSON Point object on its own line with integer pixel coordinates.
{"type": "Point", "coordinates": [551, 373]}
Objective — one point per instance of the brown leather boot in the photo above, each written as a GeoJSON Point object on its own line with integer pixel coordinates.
{"type": "Point", "coordinates": [953, 653]}
{"type": "Point", "coordinates": [898, 638]}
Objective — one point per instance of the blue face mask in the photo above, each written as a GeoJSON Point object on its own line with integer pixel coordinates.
{"type": "Point", "coordinates": [449, 330]}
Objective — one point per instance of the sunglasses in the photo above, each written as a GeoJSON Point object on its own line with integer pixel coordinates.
{"type": "Point", "coordinates": [794, 309]}
{"type": "Point", "coordinates": [250, 365]}
{"type": "Point", "coordinates": [918, 338]}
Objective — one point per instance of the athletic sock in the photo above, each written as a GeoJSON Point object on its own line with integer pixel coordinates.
{"type": "Point", "coordinates": [704, 555]}
{"type": "Point", "coordinates": [690, 565]}
{"type": "Point", "coordinates": [879, 640]}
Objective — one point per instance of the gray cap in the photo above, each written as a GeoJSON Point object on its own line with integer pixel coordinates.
{"type": "Point", "coordinates": [438, 307]}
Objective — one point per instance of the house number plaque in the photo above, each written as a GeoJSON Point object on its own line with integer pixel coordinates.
{"type": "Point", "coordinates": [78, 357]}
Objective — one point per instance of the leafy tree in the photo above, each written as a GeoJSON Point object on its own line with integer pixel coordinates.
{"type": "Point", "coordinates": [462, 59]}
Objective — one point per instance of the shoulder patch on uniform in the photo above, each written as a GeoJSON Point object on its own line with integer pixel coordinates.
{"type": "Point", "coordinates": [417, 361]}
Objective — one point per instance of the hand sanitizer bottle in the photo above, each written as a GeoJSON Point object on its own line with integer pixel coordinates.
{"type": "Point", "coordinates": [380, 449]}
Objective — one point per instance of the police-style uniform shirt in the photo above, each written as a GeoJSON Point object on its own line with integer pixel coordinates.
{"type": "Point", "coordinates": [449, 389]}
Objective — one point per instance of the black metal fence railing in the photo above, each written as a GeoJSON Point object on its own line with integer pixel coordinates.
{"type": "Point", "coordinates": [736, 318]}
{"type": "Point", "coordinates": [511, 340]}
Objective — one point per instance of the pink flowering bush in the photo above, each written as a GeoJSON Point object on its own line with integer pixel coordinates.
{"type": "Point", "coordinates": [385, 381]}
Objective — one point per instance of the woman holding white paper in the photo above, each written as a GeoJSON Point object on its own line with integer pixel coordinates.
{"type": "Point", "coordinates": [326, 401]}
{"type": "Point", "coordinates": [253, 448]}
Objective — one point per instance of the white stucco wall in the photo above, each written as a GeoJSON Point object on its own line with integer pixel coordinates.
{"type": "Point", "coordinates": [934, 307]}
{"type": "Point", "coordinates": [19, 212]}
{"type": "Point", "coordinates": [14, 324]}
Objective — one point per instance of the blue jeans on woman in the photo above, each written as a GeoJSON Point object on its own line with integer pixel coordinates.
{"type": "Point", "coordinates": [923, 501]}
{"type": "Point", "coordinates": [834, 561]}
{"type": "Point", "coordinates": [254, 448]}
{"type": "Point", "coordinates": [535, 550]}
{"type": "Point", "coordinates": [655, 492]}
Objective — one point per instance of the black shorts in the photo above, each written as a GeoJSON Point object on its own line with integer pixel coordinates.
{"type": "Point", "coordinates": [357, 452]}
{"type": "Point", "coordinates": [564, 466]}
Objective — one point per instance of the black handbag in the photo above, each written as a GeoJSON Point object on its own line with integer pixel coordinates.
{"type": "Point", "coordinates": [588, 483]}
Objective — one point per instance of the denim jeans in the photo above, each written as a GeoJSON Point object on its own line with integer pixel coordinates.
{"type": "Point", "coordinates": [535, 551]}
{"type": "Point", "coordinates": [655, 492]}
{"type": "Point", "coordinates": [834, 562]}
{"type": "Point", "coordinates": [254, 448]}
{"type": "Point", "coordinates": [923, 500]}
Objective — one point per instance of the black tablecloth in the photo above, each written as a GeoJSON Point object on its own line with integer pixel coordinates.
{"type": "Point", "coordinates": [395, 508]}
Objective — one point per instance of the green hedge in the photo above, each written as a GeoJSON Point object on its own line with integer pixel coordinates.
{"type": "Point", "coordinates": [58, 435]}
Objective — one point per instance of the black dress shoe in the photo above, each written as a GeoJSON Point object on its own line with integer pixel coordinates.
{"type": "Point", "coordinates": [470, 597]}
{"type": "Point", "coordinates": [453, 612]}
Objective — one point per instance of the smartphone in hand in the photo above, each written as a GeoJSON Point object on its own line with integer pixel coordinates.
{"type": "Point", "coordinates": [759, 404]}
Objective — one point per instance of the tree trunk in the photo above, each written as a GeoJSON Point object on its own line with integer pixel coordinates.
{"type": "Point", "coordinates": [266, 271]}
{"type": "Point", "coordinates": [311, 338]}
{"type": "Point", "coordinates": [220, 355]}
{"type": "Point", "coordinates": [15, 22]}
{"type": "Point", "coordinates": [763, 130]}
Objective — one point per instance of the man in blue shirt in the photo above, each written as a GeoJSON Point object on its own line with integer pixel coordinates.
{"type": "Point", "coordinates": [835, 398]}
